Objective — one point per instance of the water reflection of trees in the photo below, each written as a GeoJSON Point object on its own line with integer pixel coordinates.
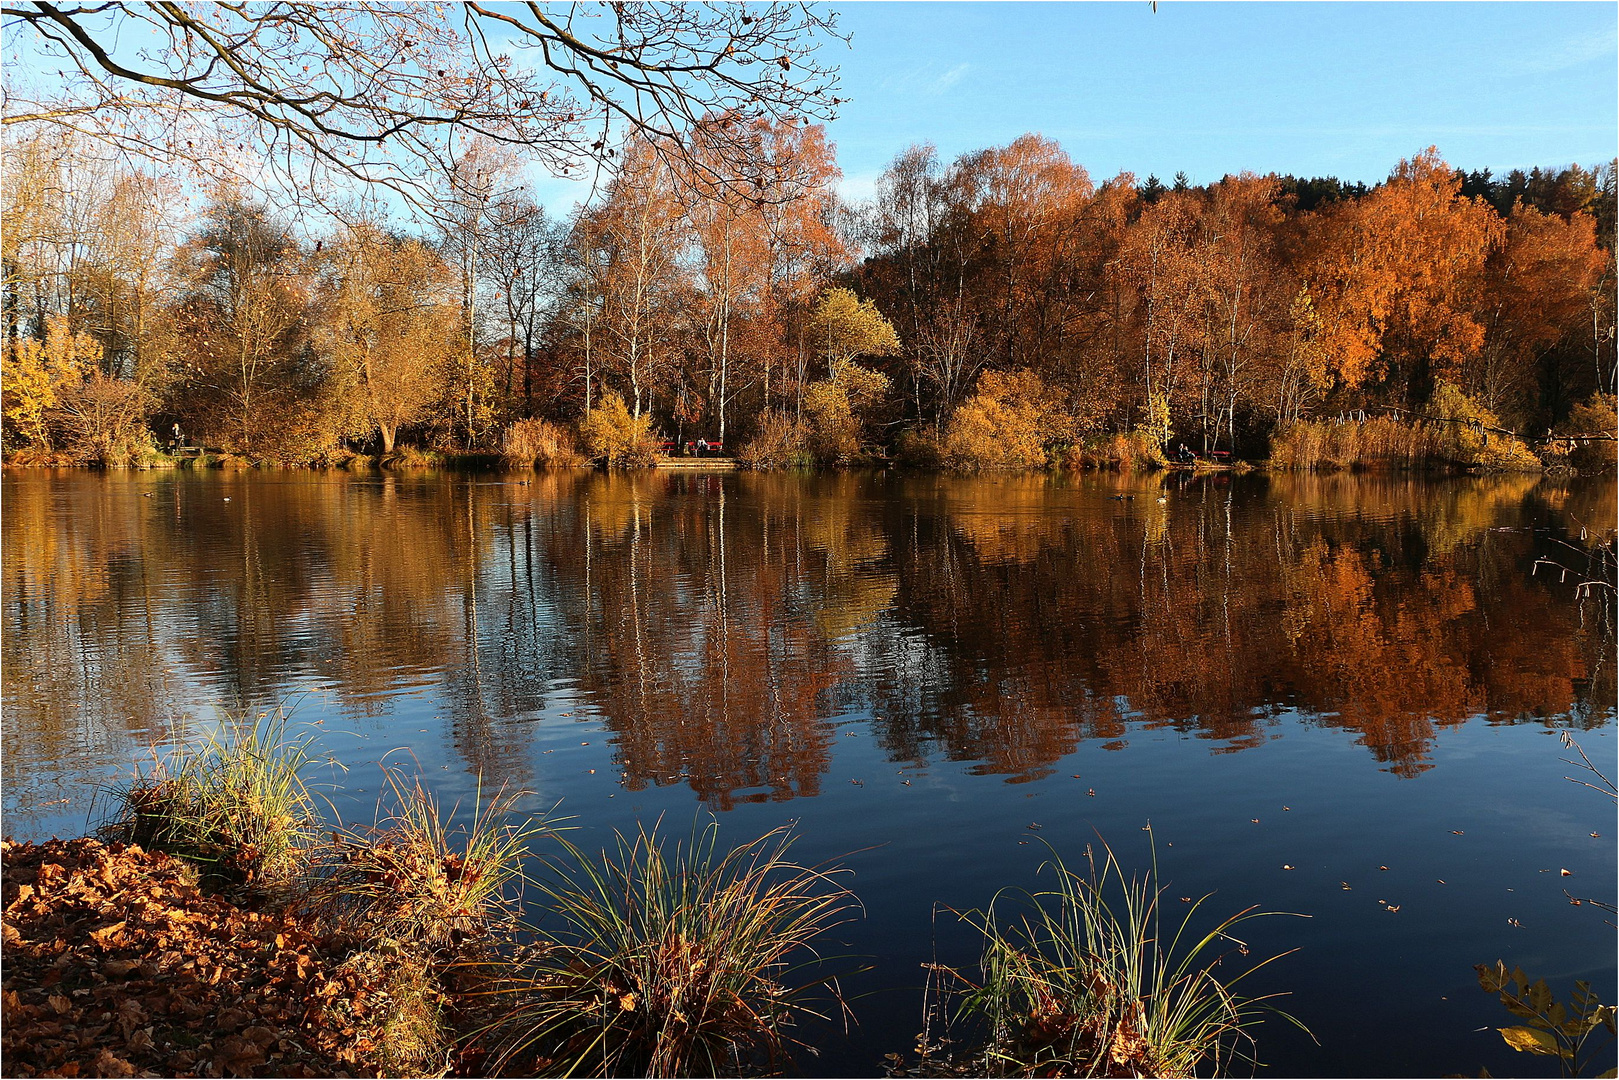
{"type": "Point", "coordinates": [718, 626]}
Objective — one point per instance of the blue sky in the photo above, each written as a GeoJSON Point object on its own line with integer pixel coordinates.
{"type": "Point", "coordinates": [1212, 88]}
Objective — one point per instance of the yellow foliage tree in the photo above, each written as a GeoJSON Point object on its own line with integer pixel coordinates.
{"type": "Point", "coordinates": [38, 373]}
{"type": "Point", "coordinates": [836, 409]}
{"type": "Point", "coordinates": [615, 436]}
{"type": "Point", "coordinates": [847, 327]}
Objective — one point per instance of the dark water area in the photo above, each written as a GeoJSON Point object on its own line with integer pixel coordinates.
{"type": "Point", "coordinates": [1297, 681]}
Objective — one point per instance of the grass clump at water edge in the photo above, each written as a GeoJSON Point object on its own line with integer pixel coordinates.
{"type": "Point", "coordinates": [413, 878]}
{"type": "Point", "coordinates": [682, 962]}
{"type": "Point", "coordinates": [234, 800]}
{"type": "Point", "coordinates": [1090, 978]}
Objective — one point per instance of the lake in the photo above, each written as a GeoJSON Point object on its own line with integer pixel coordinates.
{"type": "Point", "coordinates": [1338, 696]}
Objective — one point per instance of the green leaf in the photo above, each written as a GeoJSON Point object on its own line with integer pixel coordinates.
{"type": "Point", "coordinates": [1608, 1074]}
{"type": "Point", "coordinates": [1529, 1040]}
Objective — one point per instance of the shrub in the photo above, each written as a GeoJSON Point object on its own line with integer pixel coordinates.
{"type": "Point", "coordinates": [1596, 415]}
{"type": "Point", "coordinates": [411, 457]}
{"type": "Point", "coordinates": [1465, 438]}
{"type": "Point", "coordinates": [1154, 427]}
{"type": "Point", "coordinates": [919, 448]}
{"type": "Point", "coordinates": [411, 878]}
{"type": "Point", "coordinates": [673, 965]}
{"type": "Point", "coordinates": [615, 437]}
{"type": "Point", "coordinates": [234, 801]}
{"type": "Point", "coordinates": [103, 421]}
{"type": "Point", "coordinates": [1089, 982]}
{"type": "Point", "coordinates": [778, 442]}
{"type": "Point", "coordinates": [539, 443]}
{"type": "Point", "coordinates": [1006, 424]}
{"type": "Point", "coordinates": [836, 410]}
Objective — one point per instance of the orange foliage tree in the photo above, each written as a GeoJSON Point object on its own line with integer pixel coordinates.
{"type": "Point", "coordinates": [1398, 276]}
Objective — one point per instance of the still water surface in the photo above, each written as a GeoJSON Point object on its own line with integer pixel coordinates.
{"type": "Point", "coordinates": [1298, 681]}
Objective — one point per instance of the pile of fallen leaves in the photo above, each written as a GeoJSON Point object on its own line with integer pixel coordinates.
{"type": "Point", "coordinates": [117, 964]}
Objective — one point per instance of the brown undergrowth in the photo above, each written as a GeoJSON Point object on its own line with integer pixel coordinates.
{"type": "Point", "coordinates": [117, 963]}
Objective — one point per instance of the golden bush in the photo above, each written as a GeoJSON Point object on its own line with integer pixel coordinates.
{"type": "Point", "coordinates": [616, 437]}
{"type": "Point", "coordinates": [1006, 424]}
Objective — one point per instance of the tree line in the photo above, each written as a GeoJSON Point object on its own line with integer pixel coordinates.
{"type": "Point", "coordinates": [1002, 309]}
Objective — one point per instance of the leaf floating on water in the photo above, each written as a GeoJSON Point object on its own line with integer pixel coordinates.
{"type": "Point", "coordinates": [1254, 820]}
{"type": "Point", "coordinates": [1596, 836]}
{"type": "Point", "coordinates": [1457, 832]}
{"type": "Point", "coordinates": [1287, 866]}
{"type": "Point", "coordinates": [1440, 880]}
{"type": "Point", "coordinates": [1186, 899]}
{"type": "Point", "coordinates": [1382, 868]}
{"type": "Point", "coordinates": [1344, 885]}
{"type": "Point", "coordinates": [1091, 792]}
{"type": "Point", "coordinates": [1393, 907]}
{"type": "Point", "coordinates": [1515, 922]}
{"type": "Point", "coordinates": [1529, 1040]}
{"type": "Point", "coordinates": [1287, 808]}
{"type": "Point", "coordinates": [1035, 826]}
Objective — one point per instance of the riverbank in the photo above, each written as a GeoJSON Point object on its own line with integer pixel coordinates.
{"type": "Point", "coordinates": [117, 963]}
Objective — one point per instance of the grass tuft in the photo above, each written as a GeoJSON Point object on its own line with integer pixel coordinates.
{"type": "Point", "coordinates": [1083, 981]}
{"type": "Point", "coordinates": [675, 963]}
{"type": "Point", "coordinates": [413, 878]}
{"type": "Point", "coordinates": [234, 801]}
{"type": "Point", "coordinates": [403, 1019]}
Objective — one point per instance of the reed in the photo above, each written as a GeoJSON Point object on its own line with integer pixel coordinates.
{"type": "Point", "coordinates": [234, 800]}
{"type": "Point", "coordinates": [1126, 452]}
{"type": "Point", "coordinates": [1092, 978]}
{"type": "Point", "coordinates": [779, 442]}
{"type": "Point", "coordinates": [1380, 441]}
{"type": "Point", "coordinates": [537, 443]}
{"type": "Point", "coordinates": [1454, 431]}
{"type": "Point", "coordinates": [690, 962]}
{"type": "Point", "coordinates": [413, 877]}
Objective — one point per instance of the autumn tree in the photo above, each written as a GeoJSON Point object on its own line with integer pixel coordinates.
{"type": "Point", "coordinates": [635, 241]}
{"type": "Point", "coordinates": [41, 374]}
{"type": "Point", "coordinates": [1023, 199]}
{"type": "Point", "coordinates": [1159, 261]}
{"type": "Point", "coordinates": [1397, 277]}
{"type": "Point", "coordinates": [389, 322]}
{"type": "Point", "coordinates": [846, 327]}
{"type": "Point", "coordinates": [243, 313]}
{"type": "Point", "coordinates": [1247, 297]}
{"type": "Point", "coordinates": [526, 260]}
{"type": "Point", "coordinates": [1536, 295]}
{"type": "Point", "coordinates": [799, 206]}
{"type": "Point", "coordinates": [731, 256]}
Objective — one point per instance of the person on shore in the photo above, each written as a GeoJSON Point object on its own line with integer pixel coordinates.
{"type": "Point", "coordinates": [179, 439]}
{"type": "Point", "coordinates": [702, 446]}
